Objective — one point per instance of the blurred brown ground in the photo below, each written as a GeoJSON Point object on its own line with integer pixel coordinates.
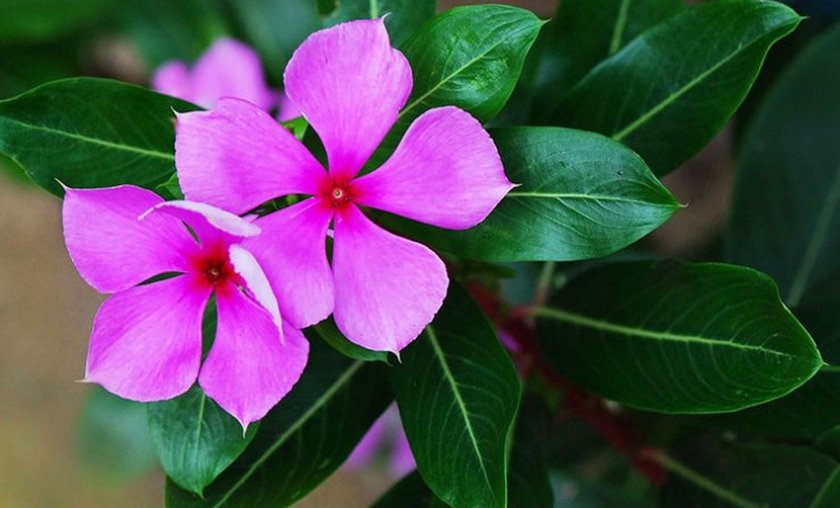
{"type": "Point", "coordinates": [45, 316]}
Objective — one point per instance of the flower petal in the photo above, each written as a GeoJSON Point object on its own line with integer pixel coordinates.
{"type": "Point", "coordinates": [387, 288]}
{"type": "Point", "coordinates": [173, 78]}
{"type": "Point", "coordinates": [447, 157]}
{"type": "Point", "coordinates": [237, 157]}
{"type": "Point", "coordinates": [146, 341]}
{"type": "Point", "coordinates": [350, 84]}
{"type": "Point", "coordinates": [230, 68]}
{"type": "Point", "coordinates": [208, 222]}
{"type": "Point", "coordinates": [252, 364]}
{"type": "Point", "coordinates": [292, 252]}
{"type": "Point", "coordinates": [112, 249]}
{"type": "Point", "coordinates": [248, 268]}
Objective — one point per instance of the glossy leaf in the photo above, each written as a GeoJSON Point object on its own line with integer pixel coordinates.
{"type": "Point", "coordinates": [302, 440]}
{"type": "Point", "coordinates": [328, 331]}
{"type": "Point", "coordinates": [410, 492]}
{"type": "Point", "coordinates": [528, 478]}
{"type": "Point", "coordinates": [195, 439]}
{"type": "Point", "coordinates": [403, 16]}
{"type": "Point", "coordinates": [671, 89]}
{"type": "Point", "coordinates": [35, 20]}
{"type": "Point", "coordinates": [90, 132]}
{"type": "Point", "coordinates": [458, 395]}
{"type": "Point", "coordinates": [786, 214]}
{"type": "Point", "coordinates": [677, 338]}
{"type": "Point", "coordinates": [580, 195]}
{"type": "Point", "coordinates": [754, 476]}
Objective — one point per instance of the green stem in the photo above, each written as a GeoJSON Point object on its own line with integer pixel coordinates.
{"type": "Point", "coordinates": [544, 283]}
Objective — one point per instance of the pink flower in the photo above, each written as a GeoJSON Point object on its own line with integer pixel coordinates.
{"type": "Point", "coordinates": [227, 69]}
{"type": "Point", "coordinates": [350, 85]}
{"type": "Point", "coordinates": [146, 338]}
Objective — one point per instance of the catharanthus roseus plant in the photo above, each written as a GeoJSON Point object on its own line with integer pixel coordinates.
{"type": "Point", "coordinates": [453, 230]}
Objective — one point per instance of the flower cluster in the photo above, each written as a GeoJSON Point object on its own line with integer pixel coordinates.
{"type": "Point", "coordinates": [273, 275]}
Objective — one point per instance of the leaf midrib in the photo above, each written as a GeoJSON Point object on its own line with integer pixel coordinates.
{"type": "Point", "coordinates": [643, 118]}
{"type": "Point", "coordinates": [824, 488]}
{"type": "Point", "coordinates": [450, 378]}
{"type": "Point", "coordinates": [607, 326]}
{"type": "Point", "coordinates": [319, 403]}
{"type": "Point", "coordinates": [592, 197]}
{"type": "Point", "coordinates": [92, 140]}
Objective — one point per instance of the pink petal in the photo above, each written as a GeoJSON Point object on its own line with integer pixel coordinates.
{"type": "Point", "coordinates": [237, 157]}
{"type": "Point", "coordinates": [173, 78]}
{"type": "Point", "coordinates": [208, 222]}
{"type": "Point", "coordinates": [446, 157]}
{"type": "Point", "coordinates": [286, 108]}
{"type": "Point", "coordinates": [252, 364]}
{"type": "Point", "coordinates": [230, 69]}
{"type": "Point", "coordinates": [365, 451]}
{"type": "Point", "coordinates": [146, 341]}
{"type": "Point", "coordinates": [350, 85]}
{"type": "Point", "coordinates": [248, 268]}
{"type": "Point", "coordinates": [112, 249]}
{"type": "Point", "coordinates": [292, 252]}
{"type": "Point", "coordinates": [387, 288]}
{"type": "Point", "coordinates": [402, 459]}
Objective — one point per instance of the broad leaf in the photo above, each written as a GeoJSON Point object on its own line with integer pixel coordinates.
{"type": "Point", "coordinates": [403, 16]}
{"type": "Point", "coordinates": [753, 476]}
{"type": "Point", "coordinates": [328, 331]}
{"type": "Point", "coordinates": [678, 82]}
{"type": "Point", "coordinates": [195, 439]}
{"type": "Point", "coordinates": [458, 395]}
{"type": "Point", "coordinates": [528, 478]}
{"type": "Point", "coordinates": [90, 132]}
{"type": "Point", "coordinates": [302, 440]}
{"type": "Point", "coordinates": [410, 492]}
{"type": "Point", "coordinates": [580, 195]}
{"type": "Point", "coordinates": [31, 20]}
{"type": "Point", "coordinates": [786, 215]}
{"type": "Point", "coordinates": [677, 338]}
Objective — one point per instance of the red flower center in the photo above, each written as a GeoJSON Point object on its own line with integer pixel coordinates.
{"type": "Point", "coordinates": [214, 266]}
{"type": "Point", "coordinates": [337, 194]}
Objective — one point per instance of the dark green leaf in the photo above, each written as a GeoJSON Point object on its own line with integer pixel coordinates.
{"type": "Point", "coordinates": [458, 394]}
{"type": "Point", "coordinates": [404, 16]}
{"type": "Point", "coordinates": [24, 67]}
{"type": "Point", "coordinates": [753, 476]}
{"type": "Point", "coordinates": [30, 20]}
{"type": "Point", "coordinates": [676, 337]}
{"type": "Point", "coordinates": [195, 439]}
{"type": "Point", "coordinates": [581, 196]}
{"type": "Point", "coordinates": [529, 483]}
{"type": "Point", "coordinates": [112, 438]}
{"type": "Point", "coordinates": [786, 216]}
{"type": "Point", "coordinates": [89, 132]}
{"type": "Point", "coordinates": [304, 439]}
{"type": "Point", "coordinates": [328, 331]}
{"type": "Point", "coordinates": [170, 189]}
{"type": "Point", "coordinates": [671, 89]}
{"type": "Point", "coordinates": [276, 27]}
{"type": "Point", "coordinates": [165, 30]}
{"type": "Point", "coordinates": [410, 492]}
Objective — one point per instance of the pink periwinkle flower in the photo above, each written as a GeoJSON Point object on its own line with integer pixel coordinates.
{"type": "Point", "coordinates": [228, 68]}
{"type": "Point", "coordinates": [385, 435]}
{"type": "Point", "coordinates": [349, 84]}
{"type": "Point", "coordinates": [146, 343]}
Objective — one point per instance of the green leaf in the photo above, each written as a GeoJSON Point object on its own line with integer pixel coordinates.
{"type": "Point", "coordinates": [302, 440]}
{"type": "Point", "coordinates": [275, 28]}
{"type": "Point", "coordinates": [468, 57]}
{"type": "Point", "coordinates": [410, 492]}
{"type": "Point", "coordinates": [112, 439]}
{"type": "Point", "coordinates": [458, 395]}
{"type": "Point", "coordinates": [676, 337]}
{"type": "Point", "coordinates": [561, 56]}
{"type": "Point", "coordinates": [404, 16]}
{"type": "Point", "coordinates": [90, 132]}
{"type": "Point", "coordinates": [752, 476]}
{"type": "Point", "coordinates": [528, 479]}
{"type": "Point", "coordinates": [581, 196]}
{"type": "Point", "coordinates": [195, 439]}
{"type": "Point", "coordinates": [24, 67]}
{"type": "Point", "coordinates": [35, 20]}
{"type": "Point", "coordinates": [680, 81]}
{"type": "Point", "coordinates": [786, 213]}
{"type": "Point", "coordinates": [170, 189]}
{"type": "Point", "coordinates": [164, 30]}
{"type": "Point", "coordinates": [328, 331]}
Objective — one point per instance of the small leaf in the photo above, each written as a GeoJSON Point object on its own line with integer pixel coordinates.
{"type": "Point", "coordinates": [680, 81]}
{"type": "Point", "coordinates": [677, 337]}
{"type": "Point", "coordinates": [36, 20]}
{"type": "Point", "coordinates": [195, 439]}
{"type": "Point", "coordinates": [458, 395]}
{"type": "Point", "coordinates": [302, 440]}
{"type": "Point", "coordinates": [90, 132]}
{"type": "Point", "coordinates": [786, 213]}
{"type": "Point", "coordinates": [328, 331]}
{"type": "Point", "coordinates": [403, 16]}
{"type": "Point", "coordinates": [581, 196]}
